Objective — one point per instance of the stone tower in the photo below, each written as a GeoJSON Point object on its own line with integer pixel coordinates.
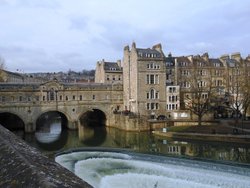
{"type": "Point", "coordinates": [144, 77]}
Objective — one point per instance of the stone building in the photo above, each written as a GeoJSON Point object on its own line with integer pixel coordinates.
{"type": "Point", "coordinates": [108, 72]}
{"type": "Point", "coordinates": [7, 76]}
{"type": "Point", "coordinates": [14, 77]}
{"type": "Point", "coordinates": [173, 101]}
{"type": "Point", "coordinates": [144, 84]}
{"type": "Point", "coordinates": [237, 87]}
{"type": "Point", "coordinates": [148, 74]}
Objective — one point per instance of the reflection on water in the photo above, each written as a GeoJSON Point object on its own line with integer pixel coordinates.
{"type": "Point", "coordinates": [49, 133]}
{"type": "Point", "coordinates": [56, 139]}
{"type": "Point", "coordinates": [94, 136]}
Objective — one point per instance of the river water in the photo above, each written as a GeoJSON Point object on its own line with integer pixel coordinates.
{"type": "Point", "coordinates": [52, 140]}
{"type": "Point", "coordinates": [108, 157]}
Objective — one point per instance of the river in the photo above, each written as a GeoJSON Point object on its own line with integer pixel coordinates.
{"type": "Point", "coordinates": [51, 139]}
{"type": "Point", "coordinates": [107, 157]}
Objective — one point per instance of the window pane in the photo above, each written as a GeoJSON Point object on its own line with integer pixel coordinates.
{"type": "Point", "coordinates": [152, 80]}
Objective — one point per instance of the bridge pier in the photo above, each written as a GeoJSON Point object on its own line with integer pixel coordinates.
{"type": "Point", "coordinates": [30, 127]}
{"type": "Point", "coordinates": [73, 125]}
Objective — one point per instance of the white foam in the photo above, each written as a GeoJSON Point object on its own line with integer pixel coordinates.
{"type": "Point", "coordinates": [69, 160]}
{"type": "Point", "coordinates": [103, 170]}
{"type": "Point", "coordinates": [143, 180]}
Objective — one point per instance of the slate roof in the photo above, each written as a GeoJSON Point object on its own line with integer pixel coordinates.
{"type": "Point", "coordinates": [214, 61]}
{"type": "Point", "coordinates": [183, 59]}
{"type": "Point", "coordinates": [13, 73]}
{"type": "Point", "coordinates": [170, 59]}
{"type": "Point", "coordinates": [6, 86]}
{"type": "Point", "coordinates": [11, 86]}
{"type": "Point", "coordinates": [145, 53]}
{"type": "Point", "coordinates": [231, 62]}
{"type": "Point", "coordinates": [111, 66]}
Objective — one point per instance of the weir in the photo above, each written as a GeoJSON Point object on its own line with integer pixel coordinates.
{"type": "Point", "coordinates": [24, 166]}
{"type": "Point", "coordinates": [108, 168]}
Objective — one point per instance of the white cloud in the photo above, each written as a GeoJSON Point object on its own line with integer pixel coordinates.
{"type": "Point", "coordinates": [75, 34]}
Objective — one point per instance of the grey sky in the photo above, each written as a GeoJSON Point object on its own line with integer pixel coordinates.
{"type": "Point", "coordinates": [58, 35]}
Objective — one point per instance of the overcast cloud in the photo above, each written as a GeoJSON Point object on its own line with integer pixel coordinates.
{"type": "Point", "coordinates": [58, 35]}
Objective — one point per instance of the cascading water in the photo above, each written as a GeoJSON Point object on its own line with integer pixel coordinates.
{"type": "Point", "coordinates": [107, 169]}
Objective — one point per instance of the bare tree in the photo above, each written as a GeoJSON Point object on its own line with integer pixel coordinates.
{"type": "Point", "coordinates": [236, 87]}
{"type": "Point", "coordinates": [199, 95]}
{"type": "Point", "coordinates": [242, 88]}
{"type": "Point", "coordinates": [2, 63]}
{"type": "Point", "coordinates": [2, 67]}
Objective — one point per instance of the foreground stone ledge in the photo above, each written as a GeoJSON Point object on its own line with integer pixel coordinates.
{"type": "Point", "coordinates": [24, 166]}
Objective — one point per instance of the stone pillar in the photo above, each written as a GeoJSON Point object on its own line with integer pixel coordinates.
{"type": "Point", "coordinates": [73, 124]}
{"type": "Point", "coordinates": [30, 127]}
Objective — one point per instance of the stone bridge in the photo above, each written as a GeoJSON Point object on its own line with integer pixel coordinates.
{"type": "Point", "coordinates": [28, 102]}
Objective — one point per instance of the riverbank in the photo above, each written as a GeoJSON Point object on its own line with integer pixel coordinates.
{"type": "Point", "coordinates": [244, 139]}
{"type": "Point", "coordinates": [218, 133]}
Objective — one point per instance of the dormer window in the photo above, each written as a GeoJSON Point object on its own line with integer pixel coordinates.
{"type": "Point", "coordinates": [183, 64]}
{"type": "Point", "coordinates": [153, 66]}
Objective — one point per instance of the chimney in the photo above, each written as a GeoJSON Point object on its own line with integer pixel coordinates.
{"type": "Point", "coordinates": [126, 48]}
{"type": "Point", "coordinates": [133, 45]}
{"type": "Point", "coordinates": [224, 57]}
{"type": "Point", "coordinates": [236, 56]}
{"type": "Point", "coordinates": [190, 58]}
{"type": "Point", "coordinates": [205, 56]}
{"type": "Point", "coordinates": [248, 57]}
{"type": "Point", "coordinates": [119, 63]}
{"type": "Point", "coordinates": [157, 47]}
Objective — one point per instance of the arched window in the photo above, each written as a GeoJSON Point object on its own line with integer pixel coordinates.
{"type": "Point", "coordinates": [152, 93]}
{"type": "Point", "coordinates": [52, 95]}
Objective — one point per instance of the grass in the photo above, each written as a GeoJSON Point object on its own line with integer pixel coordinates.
{"type": "Point", "coordinates": [179, 128]}
{"type": "Point", "coordinates": [204, 129]}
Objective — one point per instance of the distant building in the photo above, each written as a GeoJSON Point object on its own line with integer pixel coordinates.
{"type": "Point", "coordinates": [6, 76]}
{"type": "Point", "coordinates": [155, 84]}
{"type": "Point", "coordinates": [108, 72]}
{"type": "Point", "coordinates": [12, 77]}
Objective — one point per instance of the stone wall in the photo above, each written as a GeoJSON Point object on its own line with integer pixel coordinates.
{"type": "Point", "coordinates": [134, 123]}
{"type": "Point", "coordinates": [129, 123]}
{"type": "Point", "coordinates": [192, 123]}
{"type": "Point", "coordinates": [24, 166]}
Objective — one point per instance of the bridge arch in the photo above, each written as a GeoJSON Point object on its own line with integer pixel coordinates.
{"type": "Point", "coordinates": [92, 130]}
{"type": "Point", "coordinates": [45, 116]}
{"type": "Point", "coordinates": [11, 121]}
{"type": "Point", "coordinates": [94, 117]}
{"type": "Point", "coordinates": [50, 130]}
